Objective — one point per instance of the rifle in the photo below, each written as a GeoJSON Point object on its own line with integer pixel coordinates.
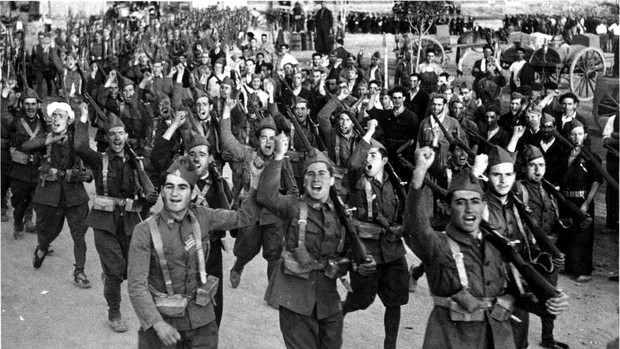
{"type": "Point", "coordinates": [257, 112]}
{"type": "Point", "coordinates": [223, 190]}
{"type": "Point", "coordinates": [100, 114]}
{"type": "Point", "coordinates": [589, 156]}
{"type": "Point", "coordinates": [24, 78]}
{"type": "Point", "coordinates": [569, 205]}
{"type": "Point", "coordinates": [147, 185]}
{"type": "Point", "coordinates": [541, 288]}
{"type": "Point", "coordinates": [358, 249]}
{"type": "Point", "coordinates": [454, 141]}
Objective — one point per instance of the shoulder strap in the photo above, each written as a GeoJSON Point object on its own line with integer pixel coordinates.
{"type": "Point", "coordinates": [29, 130]}
{"type": "Point", "coordinates": [201, 254]}
{"type": "Point", "coordinates": [458, 259]}
{"type": "Point", "coordinates": [303, 221]}
{"type": "Point", "coordinates": [159, 249]}
{"type": "Point", "coordinates": [104, 172]}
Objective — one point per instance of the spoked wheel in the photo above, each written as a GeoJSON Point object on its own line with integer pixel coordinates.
{"type": "Point", "coordinates": [585, 68]}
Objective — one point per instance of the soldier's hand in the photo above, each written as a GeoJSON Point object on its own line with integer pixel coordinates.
{"type": "Point", "coordinates": [269, 88]}
{"type": "Point", "coordinates": [83, 108]}
{"type": "Point", "coordinates": [151, 197]}
{"type": "Point", "coordinates": [179, 117]}
{"type": "Point", "coordinates": [112, 75]}
{"type": "Point", "coordinates": [586, 222]}
{"type": "Point", "coordinates": [166, 333]}
{"type": "Point", "coordinates": [85, 176]}
{"type": "Point", "coordinates": [558, 304]}
{"type": "Point", "coordinates": [281, 146]}
{"type": "Point", "coordinates": [424, 158]}
{"type": "Point", "coordinates": [518, 131]}
{"type": "Point", "coordinates": [371, 126]}
{"type": "Point", "coordinates": [368, 268]}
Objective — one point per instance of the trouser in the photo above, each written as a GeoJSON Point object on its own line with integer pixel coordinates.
{"type": "Point", "coordinates": [418, 271]}
{"type": "Point", "coordinates": [321, 41]}
{"type": "Point", "coordinates": [611, 195]}
{"type": "Point", "coordinates": [249, 241]}
{"type": "Point", "coordinates": [391, 283]}
{"type": "Point", "coordinates": [112, 250]}
{"type": "Point", "coordinates": [214, 267]}
{"type": "Point", "coordinates": [578, 244]}
{"type": "Point", "coordinates": [50, 221]}
{"type": "Point", "coordinates": [204, 337]}
{"type": "Point", "coordinates": [48, 76]}
{"type": "Point", "coordinates": [23, 192]}
{"type": "Point", "coordinates": [308, 332]}
{"type": "Point", "coordinates": [548, 319]}
{"type": "Point", "coordinates": [5, 181]}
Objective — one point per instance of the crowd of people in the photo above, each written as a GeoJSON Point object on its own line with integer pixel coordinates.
{"type": "Point", "coordinates": [332, 174]}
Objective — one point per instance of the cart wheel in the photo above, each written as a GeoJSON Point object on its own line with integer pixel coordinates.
{"type": "Point", "coordinates": [586, 66]}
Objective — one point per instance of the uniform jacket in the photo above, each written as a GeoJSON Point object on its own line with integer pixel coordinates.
{"type": "Point", "coordinates": [62, 157]}
{"type": "Point", "coordinates": [317, 295]}
{"type": "Point", "coordinates": [180, 251]}
{"type": "Point", "coordinates": [19, 135]}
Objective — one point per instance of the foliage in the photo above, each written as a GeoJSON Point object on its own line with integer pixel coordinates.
{"type": "Point", "coordinates": [421, 15]}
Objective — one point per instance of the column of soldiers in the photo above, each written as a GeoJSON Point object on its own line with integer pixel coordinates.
{"type": "Point", "coordinates": [331, 175]}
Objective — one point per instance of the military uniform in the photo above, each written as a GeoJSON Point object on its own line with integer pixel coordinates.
{"type": "Point", "coordinates": [60, 194]}
{"type": "Point", "coordinates": [112, 224]}
{"type": "Point", "coordinates": [375, 217]}
{"type": "Point", "coordinates": [310, 309]}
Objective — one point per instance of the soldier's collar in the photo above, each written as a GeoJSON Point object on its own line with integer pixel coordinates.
{"type": "Point", "coordinates": [317, 205]}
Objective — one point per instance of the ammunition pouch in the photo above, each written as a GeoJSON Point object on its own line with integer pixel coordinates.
{"type": "Point", "coordinates": [132, 205]}
{"type": "Point", "coordinates": [171, 306]}
{"type": "Point", "coordinates": [503, 308]}
{"type": "Point", "coordinates": [292, 265]}
{"type": "Point", "coordinates": [205, 294]}
{"type": "Point", "coordinates": [20, 157]}
{"type": "Point", "coordinates": [51, 175]}
{"type": "Point", "coordinates": [367, 230]}
{"type": "Point", "coordinates": [475, 309]}
{"type": "Point", "coordinates": [107, 203]}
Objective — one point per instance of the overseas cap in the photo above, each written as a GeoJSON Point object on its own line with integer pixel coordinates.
{"type": "Point", "coordinates": [465, 180]}
{"type": "Point", "coordinates": [185, 169]}
{"type": "Point", "coordinates": [196, 140]}
{"type": "Point", "coordinates": [531, 152]}
{"type": "Point", "coordinates": [318, 157]}
{"type": "Point", "coordinates": [499, 155]}
{"type": "Point", "coordinates": [112, 122]}
{"type": "Point", "coordinates": [267, 122]}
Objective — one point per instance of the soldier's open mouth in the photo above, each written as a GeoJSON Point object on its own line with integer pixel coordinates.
{"type": "Point", "coordinates": [469, 219]}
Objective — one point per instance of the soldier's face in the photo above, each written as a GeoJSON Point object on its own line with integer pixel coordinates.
{"type": "Point", "coordinates": [491, 119]}
{"type": "Point", "coordinates": [457, 110]}
{"type": "Point", "coordinates": [157, 68]}
{"type": "Point", "coordinates": [202, 108]}
{"type": "Point", "coordinates": [316, 61]}
{"type": "Point", "coordinates": [318, 180]}
{"type": "Point", "coordinates": [256, 83]}
{"type": "Point", "coordinates": [30, 107]}
{"type": "Point", "coordinates": [375, 162]}
{"type": "Point", "coordinates": [200, 157]}
{"type": "Point", "coordinates": [266, 139]}
{"type": "Point", "coordinates": [515, 104]}
{"type": "Point", "coordinates": [164, 108]}
{"type": "Point", "coordinates": [501, 178]}
{"type": "Point", "coordinates": [297, 79]}
{"type": "Point", "coordinates": [397, 99]}
{"type": "Point", "coordinates": [533, 120]}
{"type": "Point", "coordinates": [578, 136]}
{"type": "Point", "coordinates": [569, 106]}
{"type": "Point", "coordinates": [225, 91]}
{"type": "Point", "coordinates": [459, 156]}
{"type": "Point", "coordinates": [437, 106]}
{"type": "Point", "coordinates": [344, 123]}
{"type": "Point", "coordinates": [466, 210]}
{"type": "Point", "coordinates": [176, 194]}
{"type": "Point", "coordinates": [128, 92]}
{"type": "Point", "coordinates": [301, 112]}
{"type": "Point", "coordinates": [113, 89]}
{"type": "Point", "coordinates": [547, 130]}
{"type": "Point", "coordinates": [535, 170]}
{"type": "Point", "coordinates": [60, 121]}
{"type": "Point", "coordinates": [117, 137]}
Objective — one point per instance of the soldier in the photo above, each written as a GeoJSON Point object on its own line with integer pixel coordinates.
{"type": "Point", "coordinates": [24, 171]}
{"type": "Point", "coordinates": [495, 134]}
{"type": "Point", "coordinates": [416, 99]}
{"type": "Point", "coordinates": [464, 289]}
{"type": "Point", "coordinates": [570, 103]}
{"type": "Point", "coordinates": [178, 235]}
{"type": "Point", "coordinates": [378, 216]}
{"type": "Point", "coordinates": [552, 149]}
{"type": "Point", "coordinates": [514, 116]}
{"type": "Point", "coordinates": [60, 192]}
{"type": "Point", "coordinates": [579, 183]}
{"type": "Point", "coordinates": [266, 230]}
{"type": "Point", "coordinates": [544, 209]}
{"type": "Point", "coordinates": [121, 186]}
{"type": "Point", "coordinates": [307, 297]}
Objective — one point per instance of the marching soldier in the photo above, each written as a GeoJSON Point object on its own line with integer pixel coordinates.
{"type": "Point", "coordinates": [60, 192]}
{"type": "Point", "coordinates": [121, 186]}
{"type": "Point", "coordinates": [379, 220]}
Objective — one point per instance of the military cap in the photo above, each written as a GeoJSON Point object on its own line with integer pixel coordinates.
{"type": "Point", "coordinates": [569, 95]}
{"type": "Point", "coordinates": [376, 144]}
{"type": "Point", "coordinates": [300, 100]}
{"type": "Point", "coordinates": [499, 155]}
{"type": "Point", "coordinates": [574, 124]}
{"type": "Point", "coordinates": [530, 153]}
{"type": "Point", "coordinates": [200, 94]}
{"type": "Point", "coordinates": [127, 82]}
{"type": "Point", "coordinates": [112, 122]}
{"type": "Point", "coordinates": [196, 140]}
{"type": "Point", "coordinates": [227, 81]}
{"type": "Point", "coordinates": [185, 169]}
{"type": "Point", "coordinates": [318, 157]}
{"type": "Point", "coordinates": [465, 180]}
{"type": "Point", "coordinates": [62, 106]}
{"type": "Point", "coordinates": [29, 93]}
{"type": "Point", "coordinates": [516, 95]}
{"type": "Point", "coordinates": [267, 122]}
{"type": "Point", "coordinates": [547, 119]}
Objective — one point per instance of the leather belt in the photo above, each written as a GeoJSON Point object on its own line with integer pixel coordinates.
{"type": "Point", "coordinates": [574, 193]}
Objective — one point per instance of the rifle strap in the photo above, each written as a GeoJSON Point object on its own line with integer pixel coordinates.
{"type": "Point", "coordinates": [29, 130]}
{"type": "Point", "coordinates": [202, 194]}
{"type": "Point", "coordinates": [369, 198]}
{"type": "Point", "coordinates": [302, 222]}
{"type": "Point", "coordinates": [104, 172]}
